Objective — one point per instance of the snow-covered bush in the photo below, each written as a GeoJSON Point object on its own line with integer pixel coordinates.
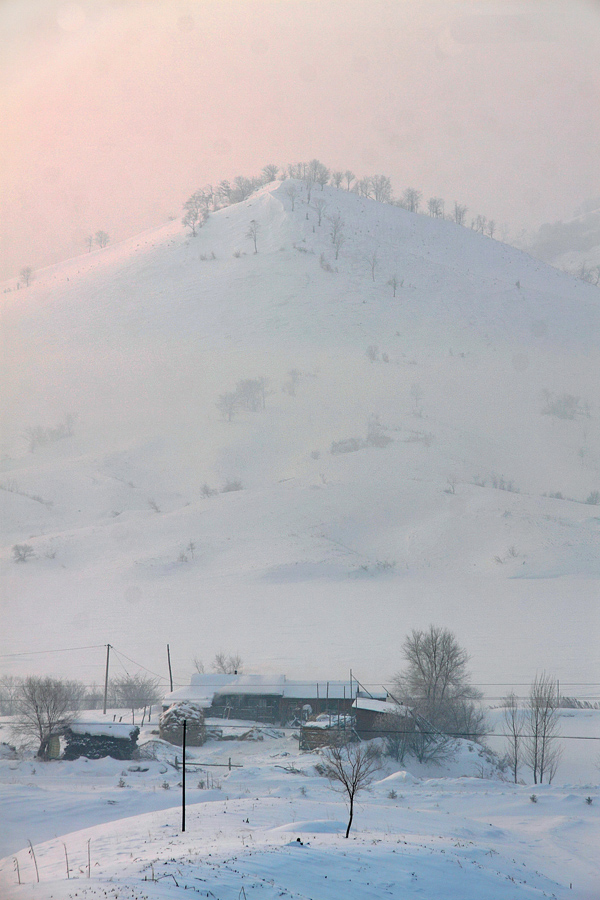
{"type": "Point", "coordinates": [349, 445]}
{"type": "Point", "coordinates": [565, 406]}
{"type": "Point", "coordinates": [22, 552]}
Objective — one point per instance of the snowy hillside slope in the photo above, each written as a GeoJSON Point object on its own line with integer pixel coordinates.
{"type": "Point", "coordinates": [452, 398]}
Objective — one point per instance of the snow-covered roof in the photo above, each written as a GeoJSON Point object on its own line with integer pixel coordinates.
{"type": "Point", "coordinates": [105, 729]}
{"type": "Point", "coordinates": [379, 706]}
{"type": "Point", "coordinates": [254, 684]}
{"type": "Point", "coordinates": [317, 690]}
{"type": "Point", "coordinates": [198, 696]}
{"type": "Point", "coordinates": [203, 688]}
{"type": "Point", "coordinates": [329, 721]}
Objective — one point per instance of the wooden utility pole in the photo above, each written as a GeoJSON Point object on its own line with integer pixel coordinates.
{"type": "Point", "coordinates": [183, 777]}
{"type": "Point", "coordinates": [106, 679]}
{"type": "Point", "coordinates": [170, 672]}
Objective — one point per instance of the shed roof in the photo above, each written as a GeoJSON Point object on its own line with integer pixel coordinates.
{"type": "Point", "coordinates": [106, 729]}
{"type": "Point", "coordinates": [379, 706]}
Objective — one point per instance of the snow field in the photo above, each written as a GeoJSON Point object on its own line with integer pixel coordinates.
{"type": "Point", "coordinates": [275, 828]}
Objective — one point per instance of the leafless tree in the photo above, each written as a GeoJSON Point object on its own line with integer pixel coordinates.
{"type": "Point", "coordinates": [460, 213]}
{"type": "Point", "coordinates": [209, 196]}
{"type": "Point", "coordinates": [542, 753]}
{"type": "Point", "coordinates": [191, 217]}
{"type": "Point", "coordinates": [26, 273]}
{"type": "Point", "coordinates": [382, 188]}
{"type": "Point", "coordinates": [479, 224]}
{"type": "Point", "coordinates": [435, 683]}
{"type": "Point", "coordinates": [251, 393]}
{"type": "Point", "coordinates": [337, 224]}
{"type": "Point", "coordinates": [320, 206]}
{"type": "Point", "coordinates": [350, 768]}
{"type": "Point", "coordinates": [395, 284]}
{"type": "Point", "coordinates": [318, 173]}
{"type": "Point", "coordinates": [364, 187]}
{"type": "Point", "coordinates": [398, 729]}
{"type": "Point", "coordinates": [292, 194]}
{"type": "Point", "coordinates": [297, 170]}
{"type": "Point", "coordinates": [227, 404]}
{"type": "Point", "coordinates": [409, 734]}
{"type": "Point", "coordinates": [435, 207]}
{"type": "Point", "coordinates": [337, 178]}
{"type": "Point", "coordinates": [252, 233]}
{"type": "Point", "coordinates": [349, 176]}
{"type": "Point", "coordinates": [416, 393]}
{"type": "Point", "coordinates": [9, 691]}
{"type": "Point", "coordinates": [338, 242]}
{"type": "Point", "coordinates": [270, 173]}
{"type": "Point", "coordinates": [198, 665]}
{"type": "Point", "coordinates": [491, 227]}
{"type": "Point", "coordinates": [196, 208]}
{"type": "Point", "coordinates": [223, 192]}
{"type": "Point", "coordinates": [411, 199]}
{"type": "Point", "coordinates": [228, 664]}
{"type": "Point", "coordinates": [101, 238]}
{"type": "Point", "coordinates": [135, 691]}
{"type": "Point", "coordinates": [89, 242]}
{"type": "Point", "coordinates": [514, 726]}
{"type": "Point", "coordinates": [44, 707]}
{"type": "Point", "coordinates": [373, 260]}
{"type": "Point", "coordinates": [243, 188]}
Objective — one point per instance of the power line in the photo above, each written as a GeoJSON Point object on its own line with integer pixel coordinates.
{"type": "Point", "coordinates": [62, 650]}
{"type": "Point", "coordinates": [137, 663]}
{"type": "Point", "coordinates": [118, 655]}
{"type": "Point", "coordinates": [267, 684]}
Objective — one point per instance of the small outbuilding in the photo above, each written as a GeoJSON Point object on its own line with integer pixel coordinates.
{"type": "Point", "coordinates": [95, 740]}
{"type": "Point", "coordinates": [327, 731]}
{"type": "Point", "coordinates": [370, 713]}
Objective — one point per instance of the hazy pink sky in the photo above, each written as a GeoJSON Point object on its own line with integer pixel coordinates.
{"type": "Point", "coordinates": [114, 111]}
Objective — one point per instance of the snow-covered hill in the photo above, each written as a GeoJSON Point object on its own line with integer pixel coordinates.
{"type": "Point", "coordinates": [397, 470]}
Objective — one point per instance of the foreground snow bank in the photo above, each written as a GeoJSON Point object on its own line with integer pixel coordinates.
{"type": "Point", "coordinates": [272, 827]}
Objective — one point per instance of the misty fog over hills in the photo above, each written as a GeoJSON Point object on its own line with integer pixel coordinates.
{"type": "Point", "coordinates": [573, 245]}
{"type": "Point", "coordinates": [303, 452]}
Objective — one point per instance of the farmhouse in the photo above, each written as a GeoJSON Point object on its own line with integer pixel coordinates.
{"type": "Point", "coordinates": [267, 698]}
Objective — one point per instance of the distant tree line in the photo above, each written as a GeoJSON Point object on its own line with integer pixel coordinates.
{"type": "Point", "coordinates": [316, 174]}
